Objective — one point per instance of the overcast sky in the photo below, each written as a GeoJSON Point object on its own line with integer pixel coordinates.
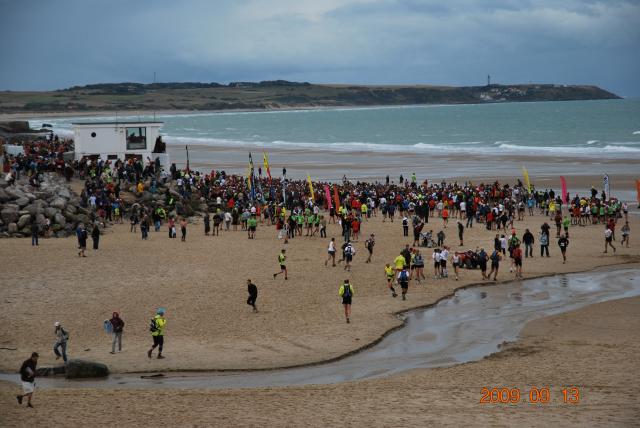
{"type": "Point", "coordinates": [46, 44]}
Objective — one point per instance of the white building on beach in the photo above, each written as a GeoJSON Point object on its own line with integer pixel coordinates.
{"type": "Point", "coordinates": [119, 140]}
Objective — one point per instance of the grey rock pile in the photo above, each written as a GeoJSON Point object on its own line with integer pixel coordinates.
{"type": "Point", "coordinates": [22, 204]}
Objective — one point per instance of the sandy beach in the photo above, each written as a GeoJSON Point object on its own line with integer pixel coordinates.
{"type": "Point", "coordinates": [587, 349]}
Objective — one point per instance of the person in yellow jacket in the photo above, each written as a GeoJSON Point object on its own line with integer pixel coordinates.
{"type": "Point", "coordinates": [346, 292]}
{"type": "Point", "coordinates": [157, 326]}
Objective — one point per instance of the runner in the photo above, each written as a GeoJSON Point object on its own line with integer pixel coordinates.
{"type": "Point", "coordinates": [332, 252]}
{"type": "Point", "coordinates": [563, 243]}
{"type": "Point", "coordinates": [436, 263]}
{"type": "Point", "coordinates": [156, 327]}
{"type": "Point", "coordinates": [62, 337]}
{"type": "Point", "coordinates": [346, 292]}
{"type": "Point", "coordinates": [183, 229]}
{"type": "Point", "coordinates": [27, 377]}
{"type": "Point", "coordinates": [461, 232]}
{"type": "Point", "coordinates": [403, 280]}
{"type": "Point", "coordinates": [253, 295]}
{"type": "Point", "coordinates": [369, 244]}
{"type": "Point", "coordinates": [252, 224]}
{"type": "Point", "coordinates": [388, 272]}
{"type": "Point", "coordinates": [608, 237]}
{"type": "Point", "coordinates": [349, 252]}
{"type": "Point", "coordinates": [283, 267]}
{"type": "Point", "coordinates": [444, 256]}
{"type": "Point", "coordinates": [626, 230]}
{"type": "Point", "coordinates": [418, 262]}
{"type": "Point", "coordinates": [400, 262]}
{"type": "Point", "coordinates": [455, 260]}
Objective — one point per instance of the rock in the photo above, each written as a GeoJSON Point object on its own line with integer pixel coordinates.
{"type": "Point", "coordinates": [22, 202]}
{"type": "Point", "coordinates": [83, 218]}
{"type": "Point", "coordinates": [31, 209]}
{"type": "Point", "coordinates": [24, 221]}
{"type": "Point", "coordinates": [50, 212]}
{"type": "Point", "coordinates": [71, 208]}
{"type": "Point", "coordinates": [50, 371]}
{"type": "Point", "coordinates": [15, 192]}
{"type": "Point", "coordinates": [4, 196]}
{"type": "Point", "coordinates": [59, 219]}
{"type": "Point", "coordinates": [64, 193]}
{"type": "Point", "coordinates": [13, 228]}
{"type": "Point", "coordinates": [59, 203]}
{"type": "Point", "coordinates": [56, 227]}
{"type": "Point", "coordinates": [61, 234]}
{"type": "Point", "coordinates": [70, 217]}
{"type": "Point", "coordinates": [9, 213]}
{"type": "Point", "coordinates": [40, 219]}
{"type": "Point", "coordinates": [79, 369]}
{"type": "Point", "coordinates": [30, 196]}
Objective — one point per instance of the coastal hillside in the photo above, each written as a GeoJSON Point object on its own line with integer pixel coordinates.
{"type": "Point", "coordinates": [277, 94]}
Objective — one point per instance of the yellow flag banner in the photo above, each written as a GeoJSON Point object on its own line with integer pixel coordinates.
{"type": "Point", "coordinates": [313, 197]}
{"type": "Point", "coordinates": [525, 173]}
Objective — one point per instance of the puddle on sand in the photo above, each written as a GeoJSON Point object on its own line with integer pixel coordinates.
{"type": "Point", "coordinates": [466, 327]}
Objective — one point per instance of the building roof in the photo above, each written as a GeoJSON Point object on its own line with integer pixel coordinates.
{"type": "Point", "coordinates": [120, 122]}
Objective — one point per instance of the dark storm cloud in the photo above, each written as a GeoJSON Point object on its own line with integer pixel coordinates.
{"type": "Point", "coordinates": [54, 44]}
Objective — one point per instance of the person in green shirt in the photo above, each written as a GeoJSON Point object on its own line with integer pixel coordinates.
{"type": "Point", "coordinates": [252, 224]}
{"type": "Point", "coordinates": [565, 224]}
{"type": "Point", "coordinates": [283, 266]}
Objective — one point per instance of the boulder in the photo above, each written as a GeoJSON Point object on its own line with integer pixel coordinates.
{"type": "Point", "coordinates": [83, 218]}
{"type": "Point", "coordinates": [80, 369]}
{"type": "Point", "coordinates": [71, 209]}
{"type": "Point", "coordinates": [9, 213]}
{"type": "Point", "coordinates": [4, 196]}
{"type": "Point", "coordinates": [50, 371]}
{"type": "Point", "coordinates": [70, 217]}
{"type": "Point", "coordinates": [24, 221]}
{"type": "Point", "coordinates": [50, 212]}
{"type": "Point", "coordinates": [59, 219]}
{"type": "Point", "coordinates": [13, 228]}
{"type": "Point", "coordinates": [30, 196]}
{"type": "Point", "coordinates": [64, 193]}
{"type": "Point", "coordinates": [40, 219]}
{"type": "Point", "coordinates": [59, 203]}
{"type": "Point", "coordinates": [61, 233]}
{"type": "Point", "coordinates": [15, 192]}
{"type": "Point", "coordinates": [22, 202]}
{"type": "Point", "coordinates": [31, 209]}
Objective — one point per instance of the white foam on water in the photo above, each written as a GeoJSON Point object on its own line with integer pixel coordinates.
{"type": "Point", "coordinates": [593, 141]}
{"type": "Point", "coordinates": [636, 132]}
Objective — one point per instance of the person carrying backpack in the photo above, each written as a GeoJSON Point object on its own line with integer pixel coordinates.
{"type": "Point", "coordinates": [346, 292]}
{"type": "Point", "coordinates": [349, 252]}
{"type": "Point", "coordinates": [495, 264]}
{"type": "Point", "coordinates": [156, 327]}
{"type": "Point", "coordinates": [403, 280]}
{"type": "Point", "coordinates": [62, 337]}
{"type": "Point", "coordinates": [482, 262]}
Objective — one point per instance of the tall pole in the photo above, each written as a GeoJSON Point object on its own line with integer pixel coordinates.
{"type": "Point", "coordinates": [187, 149]}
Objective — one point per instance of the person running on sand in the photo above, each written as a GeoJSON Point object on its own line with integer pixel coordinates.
{"type": "Point", "coordinates": [403, 280]}
{"type": "Point", "coordinates": [332, 252]}
{"type": "Point", "coordinates": [608, 237]}
{"type": "Point", "coordinates": [563, 243]}
{"type": "Point", "coordinates": [418, 262]}
{"type": "Point", "coordinates": [445, 216]}
{"type": "Point", "coordinates": [282, 259]}
{"type": "Point", "coordinates": [349, 252]}
{"type": "Point", "coordinates": [346, 291]}
{"type": "Point", "coordinates": [156, 327]}
{"type": "Point", "coordinates": [253, 295]}
{"type": "Point", "coordinates": [27, 377]}
{"type": "Point", "coordinates": [626, 230]}
{"type": "Point", "coordinates": [60, 346]}
{"type": "Point", "coordinates": [495, 265]}
{"type": "Point", "coordinates": [369, 244]}
{"type": "Point", "coordinates": [117, 325]}
{"type": "Point", "coordinates": [389, 274]}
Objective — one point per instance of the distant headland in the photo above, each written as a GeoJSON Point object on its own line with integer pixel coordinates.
{"type": "Point", "coordinates": [277, 94]}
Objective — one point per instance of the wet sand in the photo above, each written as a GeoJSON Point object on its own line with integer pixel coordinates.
{"type": "Point", "coordinates": [588, 349]}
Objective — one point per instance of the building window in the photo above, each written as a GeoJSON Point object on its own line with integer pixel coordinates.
{"type": "Point", "coordinates": [137, 138]}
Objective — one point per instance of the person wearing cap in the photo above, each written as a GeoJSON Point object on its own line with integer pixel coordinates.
{"type": "Point", "coordinates": [117, 324]}
{"type": "Point", "coordinates": [158, 324]}
{"type": "Point", "coordinates": [60, 347]}
{"type": "Point", "coordinates": [27, 377]}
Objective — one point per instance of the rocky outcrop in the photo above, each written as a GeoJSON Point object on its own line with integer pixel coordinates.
{"type": "Point", "coordinates": [75, 369]}
{"type": "Point", "coordinates": [21, 205]}
{"type": "Point", "coordinates": [81, 369]}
